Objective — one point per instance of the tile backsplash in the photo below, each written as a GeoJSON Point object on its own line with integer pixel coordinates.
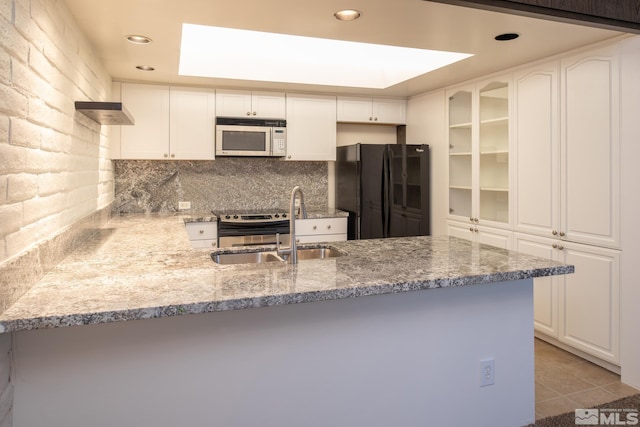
{"type": "Point", "coordinates": [144, 186]}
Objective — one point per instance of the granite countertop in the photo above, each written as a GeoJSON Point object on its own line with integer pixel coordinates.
{"type": "Point", "coordinates": [142, 266]}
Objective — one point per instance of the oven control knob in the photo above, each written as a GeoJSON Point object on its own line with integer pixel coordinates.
{"type": "Point", "coordinates": [277, 215]}
{"type": "Point", "coordinates": [284, 215]}
{"type": "Point", "coordinates": [227, 216]}
{"type": "Point", "coordinates": [235, 217]}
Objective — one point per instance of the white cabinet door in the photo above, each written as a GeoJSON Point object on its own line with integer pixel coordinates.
{"type": "Point", "coordinates": [233, 103]}
{"type": "Point", "coordinates": [244, 103]}
{"type": "Point", "coordinates": [192, 119]}
{"type": "Point", "coordinates": [590, 148]}
{"type": "Point", "coordinates": [485, 235]}
{"type": "Point", "coordinates": [545, 289]}
{"type": "Point", "coordinates": [149, 137]}
{"type": "Point", "coordinates": [271, 105]}
{"type": "Point", "coordinates": [589, 300]}
{"type": "Point", "coordinates": [311, 127]}
{"type": "Point", "coordinates": [371, 110]}
{"type": "Point", "coordinates": [391, 111]}
{"type": "Point", "coordinates": [537, 150]}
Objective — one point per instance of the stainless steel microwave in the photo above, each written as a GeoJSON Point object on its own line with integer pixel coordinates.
{"type": "Point", "coordinates": [251, 137]}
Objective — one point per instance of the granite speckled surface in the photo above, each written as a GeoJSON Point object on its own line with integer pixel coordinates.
{"type": "Point", "coordinates": [142, 266]}
{"type": "Point", "coordinates": [150, 186]}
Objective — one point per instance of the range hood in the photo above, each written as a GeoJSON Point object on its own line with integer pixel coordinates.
{"type": "Point", "coordinates": [105, 113]}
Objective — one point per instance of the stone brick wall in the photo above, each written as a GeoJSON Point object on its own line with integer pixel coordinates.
{"type": "Point", "coordinates": [54, 167]}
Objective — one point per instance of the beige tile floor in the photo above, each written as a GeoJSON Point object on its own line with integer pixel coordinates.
{"type": "Point", "coordinates": [565, 382]}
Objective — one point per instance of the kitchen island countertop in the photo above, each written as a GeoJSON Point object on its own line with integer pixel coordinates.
{"type": "Point", "coordinates": [142, 266]}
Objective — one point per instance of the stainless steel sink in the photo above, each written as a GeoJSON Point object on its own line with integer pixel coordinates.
{"type": "Point", "coordinates": [316, 253]}
{"type": "Point", "coordinates": [268, 255]}
{"type": "Point", "coordinates": [245, 257]}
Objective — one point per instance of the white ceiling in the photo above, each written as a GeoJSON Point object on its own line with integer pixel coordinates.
{"type": "Point", "coordinates": [410, 23]}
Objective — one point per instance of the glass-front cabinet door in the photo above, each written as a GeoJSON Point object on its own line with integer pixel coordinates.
{"type": "Point", "coordinates": [494, 152]}
{"type": "Point", "coordinates": [460, 154]}
{"type": "Point", "coordinates": [479, 173]}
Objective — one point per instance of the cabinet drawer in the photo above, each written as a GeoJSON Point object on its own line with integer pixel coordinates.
{"type": "Point", "coordinates": [321, 226]}
{"type": "Point", "coordinates": [202, 230]}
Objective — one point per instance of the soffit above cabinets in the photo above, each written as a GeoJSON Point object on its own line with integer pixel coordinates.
{"type": "Point", "coordinates": [408, 23]}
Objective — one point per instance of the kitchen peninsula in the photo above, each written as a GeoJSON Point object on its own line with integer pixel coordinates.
{"type": "Point", "coordinates": [408, 354]}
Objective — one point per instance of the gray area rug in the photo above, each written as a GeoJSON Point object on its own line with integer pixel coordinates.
{"type": "Point", "coordinates": [619, 412]}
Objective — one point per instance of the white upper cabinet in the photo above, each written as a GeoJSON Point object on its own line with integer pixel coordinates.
{"type": "Point", "coordinates": [149, 137]}
{"type": "Point", "coordinates": [590, 123]}
{"type": "Point", "coordinates": [242, 103]}
{"type": "Point", "coordinates": [479, 147]}
{"type": "Point", "coordinates": [567, 149]}
{"type": "Point", "coordinates": [371, 110]}
{"type": "Point", "coordinates": [311, 127]}
{"type": "Point", "coordinates": [192, 124]}
{"type": "Point", "coordinates": [170, 123]}
{"type": "Point", "coordinates": [537, 150]}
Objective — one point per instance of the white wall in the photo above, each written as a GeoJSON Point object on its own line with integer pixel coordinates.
{"type": "Point", "coordinates": [630, 200]}
{"type": "Point", "coordinates": [426, 118]}
{"type": "Point", "coordinates": [405, 359]}
{"type": "Point", "coordinates": [54, 166]}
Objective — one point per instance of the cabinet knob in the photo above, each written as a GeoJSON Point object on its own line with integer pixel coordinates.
{"type": "Point", "coordinates": [248, 113]}
{"type": "Point", "coordinates": [554, 232]}
{"type": "Point", "coordinates": [329, 227]}
{"type": "Point", "coordinates": [471, 229]}
{"type": "Point", "coordinates": [201, 231]}
{"type": "Point", "coordinates": [370, 119]}
{"type": "Point", "coordinates": [476, 220]}
{"type": "Point", "coordinates": [166, 155]}
{"type": "Point", "coordinates": [315, 227]}
{"type": "Point", "coordinates": [475, 230]}
{"type": "Point", "coordinates": [471, 219]}
{"type": "Point", "coordinates": [214, 244]}
{"type": "Point", "coordinates": [254, 113]}
{"type": "Point", "coordinates": [375, 119]}
{"type": "Point", "coordinates": [562, 234]}
{"type": "Point", "coordinates": [560, 247]}
{"type": "Point", "coordinates": [173, 155]}
{"type": "Point", "coordinates": [554, 246]}
{"type": "Point", "coordinates": [289, 156]}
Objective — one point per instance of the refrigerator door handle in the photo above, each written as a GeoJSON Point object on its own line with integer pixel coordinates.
{"type": "Point", "coordinates": [386, 179]}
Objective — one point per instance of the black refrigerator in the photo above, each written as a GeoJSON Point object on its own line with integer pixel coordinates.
{"type": "Point", "coordinates": [385, 189]}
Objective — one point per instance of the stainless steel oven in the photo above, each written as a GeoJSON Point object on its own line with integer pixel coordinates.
{"type": "Point", "coordinates": [251, 228]}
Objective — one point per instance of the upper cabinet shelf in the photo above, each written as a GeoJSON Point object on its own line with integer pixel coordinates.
{"type": "Point", "coordinates": [372, 110]}
{"type": "Point", "coordinates": [479, 147]}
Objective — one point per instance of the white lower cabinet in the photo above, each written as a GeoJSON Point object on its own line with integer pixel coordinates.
{"type": "Point", "coordinates": [582, 309]}
{"type": "Point", "coordinates": [311, 127]}
{"type": "Point", "coordinates": [202, 235]}
{"type": "Point", "coordinates": [480, 234]}
{"type": "Point", "coordinates": [314, 230]}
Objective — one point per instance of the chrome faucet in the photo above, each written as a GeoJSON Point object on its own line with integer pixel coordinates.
{"type": "Point", "coordinates": [292, 250]}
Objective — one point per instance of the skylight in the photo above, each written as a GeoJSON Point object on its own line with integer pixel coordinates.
{"type": "Point", "coordinates": [253, 55]}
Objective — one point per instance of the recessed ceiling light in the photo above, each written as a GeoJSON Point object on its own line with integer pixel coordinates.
{"type": "Point", "coordinates": [228, 53]}
{"type": "Point", "coordinates": [347, 14]}
{"type": "Point", "coordinates": [506, 37]}
{"type": "Point", "coordinates": [145, 67]}
{"type": "Point", "coordinates": [138, 39]}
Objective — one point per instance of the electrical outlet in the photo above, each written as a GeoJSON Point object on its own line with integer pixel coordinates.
{"type": "Point", "coordinates": [184, 205]}
{"type": "Point", "coordinates": [487, 372]}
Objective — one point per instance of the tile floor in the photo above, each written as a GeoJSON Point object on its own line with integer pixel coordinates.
{"type": "Point", "coordinates": [565, 382]}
